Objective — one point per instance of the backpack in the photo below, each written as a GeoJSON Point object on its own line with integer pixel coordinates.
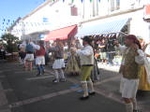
{"type": "Point", "coordinates": [29, 48]}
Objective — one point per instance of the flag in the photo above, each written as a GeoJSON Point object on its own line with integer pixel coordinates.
{"type": "Point", "coordinates": [81, 0]}
{"type": "Point", "coordinates": [72, 1]}
{"type": "Point", "coordinates": [63, 0]}
{"type": "Point", "coordinates": [90, 0]}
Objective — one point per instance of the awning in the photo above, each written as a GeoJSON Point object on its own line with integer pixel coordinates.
{"type": "Point", "coordinates": [63, 33]}
{"type": "Point", "coordinates": [101, 27]}
{"type": "Point", "coordinates": [146, 15]}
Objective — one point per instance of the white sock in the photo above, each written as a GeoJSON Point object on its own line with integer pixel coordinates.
{"type": "Point", "coordinates": [85, 88]}
{"type": "Point", "coordinates": [91, 87]}
{"type": "Point", "coordinates": [62, 74]}
{"type": "Point", "coordinates": [56, 74]}
{"type": "Point", "coordinates": [134, 101]}
{"type": "Point", "coordinates": [129, 107]}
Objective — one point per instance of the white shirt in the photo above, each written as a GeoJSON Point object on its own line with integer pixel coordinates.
{"type": "Point", "coordinates": [37, 47]}
{"type": "Point", "coordinates": [86, 55]}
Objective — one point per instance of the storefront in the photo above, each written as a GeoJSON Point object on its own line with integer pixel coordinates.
{"type": "Point", "coordinates": [129, 22]}
{"type": "Point", "coordinates": [63, 34]}
{"type": "Point", "coordinates": [116, 26]}
{"type": "Point", "coordinates": [103, 27]}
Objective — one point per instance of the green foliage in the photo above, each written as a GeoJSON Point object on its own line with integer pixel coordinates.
{"type": "Point", "coordinates": [10, 42]}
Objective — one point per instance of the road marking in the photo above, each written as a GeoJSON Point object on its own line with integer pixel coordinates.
{"type": "Point", "coordinates": [23, 71]}
{"type": "Point", "coordinates": [102, 92]}
{"type": "Point", "coordinates": [107, 80]}
{"type": "Point", "coordinates": [40, 98]}
{"type": "Point", "coordinates": [8, 90]}
{"type": "Point", "coordinates": [73, 80]}
{"type": "Point", "coordinates": [108, 95]}
{"type": "Point", "coordinates": [50, 72]}
{"type": "Point", "coordinates": [39, 77]}
{"type": "Point", "coordinates": [7, 70]}
{"type": "Point", "coordinates": [46, 71]}
{"type": "Point", "coordinates": [96, 83]}
{"type": "Point", "coordinates": [3, 100]}
{"type": "Point", "coordinates": [47, 96]}
{"type": "Point", "coordinates": [5, 110]}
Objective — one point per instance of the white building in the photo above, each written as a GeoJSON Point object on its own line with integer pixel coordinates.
{"type": "Point", "coordinates": [93, 17]}
{"type": "Point", "coordinates": [115, 15]}
{"type": "Point", "coordinates": [48, 16]}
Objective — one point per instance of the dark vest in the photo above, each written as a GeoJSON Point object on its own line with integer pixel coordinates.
{"type": "Point", "coordinates": [41, 51]}
{"type": "Point", "coordinates": [130, 69]}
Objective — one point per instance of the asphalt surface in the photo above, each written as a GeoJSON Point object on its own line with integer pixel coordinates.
{"type": "Point", "coordinates": [22, 91]}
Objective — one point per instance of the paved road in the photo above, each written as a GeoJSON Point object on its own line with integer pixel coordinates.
{"type": "Point", "coordinates": [22, 91]}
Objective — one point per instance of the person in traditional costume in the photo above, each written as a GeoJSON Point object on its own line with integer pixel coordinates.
{"type": "Point", "coordinates": [86, 55]}
{"type": "Point", "coordinates": [59, 63]}
{"type": "Point", "coordinates": [73, 63]}
{"type": "Point", "coordinates": [132, 60]}
{"type": "Point", "coordinates": [40, 56]}
{"type": "Point", "coordinates": [144, 84]}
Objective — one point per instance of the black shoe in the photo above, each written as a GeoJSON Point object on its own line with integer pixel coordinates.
{"type": "Point", "coordinates": [63, 80]}
{"type": "Point", "coordinates": [92, 93]}
{"type": "Point", "coordinates": [55, 81]}
{"type": "Point", "coordinates": [84, 97]}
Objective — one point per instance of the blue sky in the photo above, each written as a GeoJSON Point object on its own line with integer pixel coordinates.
{"type": "Point", "coordinates": [10, 10]}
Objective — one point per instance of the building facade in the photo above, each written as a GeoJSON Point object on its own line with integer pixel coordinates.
{"type": "Point", "coordinates": [55, 14]}
{"type": "Point", "coordinates": [106, 13]}
{"type": "Point", "coordinates": [50, 15]}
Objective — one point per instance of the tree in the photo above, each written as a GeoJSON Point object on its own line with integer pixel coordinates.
{"type": "Point", "coordinates": [10, 42]}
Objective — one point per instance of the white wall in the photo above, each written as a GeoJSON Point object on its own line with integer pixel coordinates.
{"type": "Point", "coordinates": [139, 27]}
{"type": "Point", "coordinates": [58, 15]}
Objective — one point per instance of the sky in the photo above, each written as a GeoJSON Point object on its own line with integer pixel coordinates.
{"type": "Point", "coordinates": [10, 10]}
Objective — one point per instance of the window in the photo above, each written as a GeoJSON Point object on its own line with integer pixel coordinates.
{"type": "Point", "coordinates": [117, 4]}
{"type": "Point", "coordinates": [114, 5]}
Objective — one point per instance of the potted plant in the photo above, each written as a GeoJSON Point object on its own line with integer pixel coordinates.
{"type": "Point", "coordinates": [10, 43]}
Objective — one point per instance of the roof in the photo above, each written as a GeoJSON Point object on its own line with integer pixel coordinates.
{"type": "Point", "coordinates": [40, 7]}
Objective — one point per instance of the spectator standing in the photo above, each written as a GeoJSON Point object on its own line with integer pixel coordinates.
{"type": "Point", "coordinates": [59, 63]}
{"type": "Point", "coordinates": [39, 56]}
{"type": "Point", "coordinates": [110, 48]}
{"type": "Point", "coordinates": [2, 52]}
{"type": "Point", "coordinates": [103, 50]}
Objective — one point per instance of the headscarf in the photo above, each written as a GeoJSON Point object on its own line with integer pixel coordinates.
{"type": "Point", "coordinates": [135, 40]}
